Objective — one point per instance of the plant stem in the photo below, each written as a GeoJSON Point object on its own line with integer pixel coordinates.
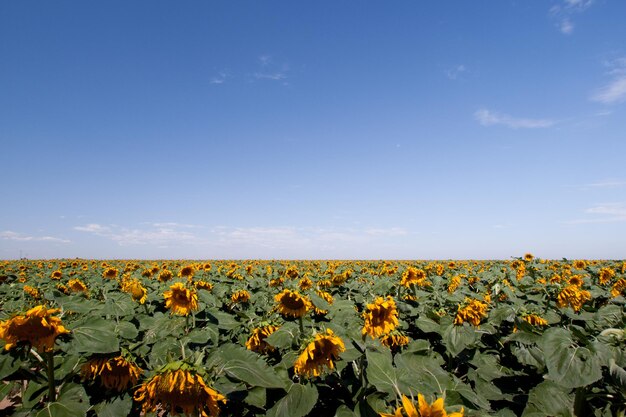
{"type": "Point", "coordinates": [50, 373]}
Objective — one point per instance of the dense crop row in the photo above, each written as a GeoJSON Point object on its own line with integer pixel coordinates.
{"type": "Point", "coordinates": [525, 337]}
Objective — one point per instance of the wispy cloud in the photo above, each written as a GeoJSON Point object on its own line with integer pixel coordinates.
{"type": "Point", "coordinates": [606, 184]}
{"type": "Point", "coordinates": [454, 73]}
{"type": "Point", "coordinates": [564, 11]}
{"type": "Point", "coordinates": [220, 78]}
{"type": "Point", "coordinates": [270, 70]}
{"type": "Point", "coordinates": [615, 90]}
{"type": "Point", "coordinates": [489, 118]}
{"type": "Point", "coordinates": [9, 235]}
{"type": "Point", "coordinates": [603, 213]}
{"type": "Point", "coordinates": [155, 234]}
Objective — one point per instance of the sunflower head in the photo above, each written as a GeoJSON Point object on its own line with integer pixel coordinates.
{"type": "Point", "coordinates": [381, 317]}
{"type": "Point", "coordinates": [136, 290]}
{"type": "Point", "coordinates": [424, 409]}
{"type": "Point", "coordinates": [187, 271]}
{"type": "Point", "coordinates": [394, 340]}
{"type": "Point", "coordinates": [179, 388]}
{"type": "Point", "coordinates": [37, 327]}
{"type": "Point", "coordinates": [114, 373]}
{"type": "Point", "coordinates": [181, 300]}
{"type": "Point", "coordinates": [165, 275]}
{"type": "Point", "coordinates": [528, 257]}
{"type": "Point", "coordinates": [535, 320]}
{"type": "Point", "coordinates": [573, 296]}
{"type": "Point", "coordinates": [32, 291]}
{"type": "Point", "coordinates": [292, 303]}
{"type": "Point", "coordinates": [257, 343]}
{"type": "Point", "coordinates": [240, 297]}
{"type": "Point", "coordinates": [110, 273]}
{"type": "Point", "coordinates": [56, 274]}
{"type": "Point", "coordinates": [473, 312]}
{"type": "Point", "coordinates": [619, 287]}
{"type": "Point", "coordinates": [414, 276]}
{"type": "Point", "coordinates": [76, 285]}
{"type": "Point", "coordinates": [319, 354]}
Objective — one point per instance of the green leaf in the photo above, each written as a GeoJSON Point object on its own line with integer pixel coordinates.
{"type": "Point", "coordinates": [256, 397]}
{"type": "Point", "coordinates": [127, 330]}
{"type": "Point", "coordinates": [457, 338]}
{"type": "Point", "coordinates": [117, 408]}
{"type": "Point", "coordinates": [422, 374]}
{"type": "Point", "coordinates": [246, 366]}
{"type": "Point", "coordinates": [284, 337]}
{"type": "Point", "coordinates": [549, 399]}
{"type": "Point", "coordinates": [427, 325]}
{"type": "Point", "coordinates": [72, 402]}
{"type": "Point", "coordinates": [225, 321]}
{"type": "Point", "coordinates": [298, 402]}
{"type": "Point", "coordinates": [8, 365]}
{"type": "Point", "coordinates": [118, 305]}
{"type": "Point", "coordinates": [96, 335]}
{"type": "Point", "coordinates": [381, 373]}
{"type": "Point", "coordinates": [569, 364]}
{"type": "Point", "coordinates": [344, 411]}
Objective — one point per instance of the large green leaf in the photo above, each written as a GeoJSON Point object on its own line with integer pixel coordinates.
{"type": "Point", "coordinates": [96, 335]}
{"type": "Point", "coordinates": [119, 407]}
{"type": "Point", "coordinates": [568, 363]}
{"type": "Point", "coordinates": [246, 366]}
{"type": "Point", "coordinates": [283, 337]}
{"type": "Point", "coordinates": [457, 338]}
{"type": "Point", "coordinates": [549, 399]}
{"type": "Point", "coordinates": [8, 364]}
{"type": "Point", "coordinates": [422, 374]}
{"type": "Point", "coordinates": [381, 373]}
{"type": "Point", "coordinates": [298, 402]}
{"type": "Point", "coordinates": [72, 402]}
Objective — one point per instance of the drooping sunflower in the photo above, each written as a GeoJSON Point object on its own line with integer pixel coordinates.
{"type": "Point", "coordinates": [381, 317]}
{"type": "Point", "coordinates": [619, 287]}
{"type": "Point", "coordinates": [573, 296]}
{"type": "Point", "coordinates": [179, 389]}
{"type": "Point", "coordinates": [165, 275]}
{"type": "Point", "coordinates": [187, 271]}
{"type": "Point", "coordinates": [454, 283]}
{"type": "Point", "coordinates": [292, 303]}
{"type": "Point", "coordinates": [203, 285]}
{"type": "Point", "coordinates": [535, 320]}
{"type": "Point", "coordinates": [110, 273]}
{"type": "Point", "coordinates": [181, 300]}
{"type": "Point", "coordinates": [319, 354]}
{"type": "Point", "coordinates": [257, 343]}
{"type": "Point", "coordinates": [240, 297]}
{"type": "Point", "coordinates": [414, 276]}
{"type": "Point", "coordinates": [114, 373]}
{"type": "Point", "coordinates": [136, 290]}
{"type": "Point", "coordinates": [473, 312]}
{"type": "Point", "coordinates": [435, 409]}
{"type": "Point", "coordinates": [32, 291]}
{"type": "Point", "coordinates": [305, 283]}
{"type": "Point", "coordinates": [606, 275]}
{"type": "Point", "coordinates": [37, 327]}
{"type": "Point", "coordinates": [76, 285]}
{"type": "Point", "coordinates": [394, 339]}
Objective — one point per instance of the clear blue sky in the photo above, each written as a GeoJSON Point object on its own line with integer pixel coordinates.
{"type": "Point", "coordinates": [326, 129]}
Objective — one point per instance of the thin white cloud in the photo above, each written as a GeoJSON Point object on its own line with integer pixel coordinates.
{"type": "Point", "coordinates": [615, 90]}
{"type": "Point", "coordinates": [606, 184]}
{"type": "Point", "coordinates": [604, 213]}
{"type": "Point", "coordinates": [453, 73]}
{"type": "Point", "coordinates": [393, 231]}
{"type": "Point", "coordinates": [157, 234]}
{"type": "Point", "coordinates": [564, 11]}
{"type": "Point", "coordinates": [9, 235]}
{"type": "Point", "coordinates": [220, 78]}
{"type": "Point", "coordinates": [489, 118]}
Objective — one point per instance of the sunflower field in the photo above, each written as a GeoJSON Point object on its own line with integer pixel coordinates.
{"type": "Point", "coordinates": [525, 337]}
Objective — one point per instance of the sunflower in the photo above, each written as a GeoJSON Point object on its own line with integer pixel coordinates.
{"type": "Point", "coordinates": [573, 296]}
{"type": "Point", "coordinates": [580, 264]}
{"type": "Point", "coordinates": [38, 327]}
{"type": "Point", "coordinates": [473, 312]}
{"type": "Point", "coordinates": [32, 291]}
{"type": "Point", "coordinates": [292, 303]}
{"type": "Point", "coordinates": [181, 300]}
{"type": "Point", "coordinates": [203, 285]}
{"type": "Point", "coordinates": [605, 275]}
{"type": "Point", "coordinates": [381, 317]}
{"type": "Point", "coordinates": [436, 409]}
{"type": "Point", "coordinates": [56, 274]}
{"type": "Point", "coordinates": [241, 296]}
{"type": "Point", "coordinates": [165, 275]}
{"type": "Point", "coordinates": [414, 276]}
{"type": "Point", "coordinates": [305, 283]}
{"type": "Point", "coordinates": [619, 287]}
{"type": "Point", "coordinates": [257, 343]}
{"type": "Point", "coordinates": [454, 284]}
{"type": "Point", "coordinates": [319, 353]}
{"type": "Point", "coordinates": [535, 320]}
{"type": "Point", "coordinates": [76, 285]}
{"type": "Point", "coordinates": [179, 389]}
{"type": "Point", "coordinates": [528, 257]}
{"type": "Point", "coordinates": [187, 271]}
{"type": "Point", "coordinates": [110, 273]}
{"type": "Point", "coordinates": [394, 339]}
{"type": "Point", "coordinates": [115, 373]}
{"type": "Point", "coordinates": [326, 297]}
{"type": "Point", "coordinates": [136, 290]}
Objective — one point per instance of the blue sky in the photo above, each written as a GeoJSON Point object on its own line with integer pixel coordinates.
{"type": "Point", "coordinates": [282, 129]}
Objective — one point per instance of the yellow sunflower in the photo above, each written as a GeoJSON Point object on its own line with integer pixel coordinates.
{"type": "Point", "coordinates": [394, 339]}
{"type": "Point", "coordinates": [76, 285]}
{"type": "Point", "coordinates": [165, 275]}
{"type": "Point", "coordinates": [110, 273]}
{"type": "Point", "coordinates": [326, 297]}
{"type": "Point", "coordinates": [187, 271]}
{"type": "Point", "coordinates": [381, 317]}
{"type": "Point", "coordinates": [257, 343]}
{"type": "Point", "coordinates": [473, 313]}
{"type": "Point", "coordinates": [115, 373]}
{"type": "Point", "coordinates": [292, 303]}
{"type": "Point", "coordinates": [606, 275]}
{"type": "Point", "coordinates": [32, 291]}
{"type": "Point", "coordinates": [535, 320]}
{"type": "Point", "coordinates": [619, 287]}
{"type": "Point", "coordinates": [181, 300]}
{"type": "Point", "coordinates": [573, 296]}
{"type": "Point", "coordinates": [56, 274]}
{"type": "Point", "coordinates": [240, 297]}
{"type": "Point", "coordinates": [136, 290]}
{"type": "Point", "coordinates": [436, 409]}
{"type": "Point", "coordinates": [203, 285]}
{"type": "Point", "coordinates": [38, 327]}
{"type": "Point", "coordinates": [179, 391]}
{"type": "Point", "coordinates": [319, 353]}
